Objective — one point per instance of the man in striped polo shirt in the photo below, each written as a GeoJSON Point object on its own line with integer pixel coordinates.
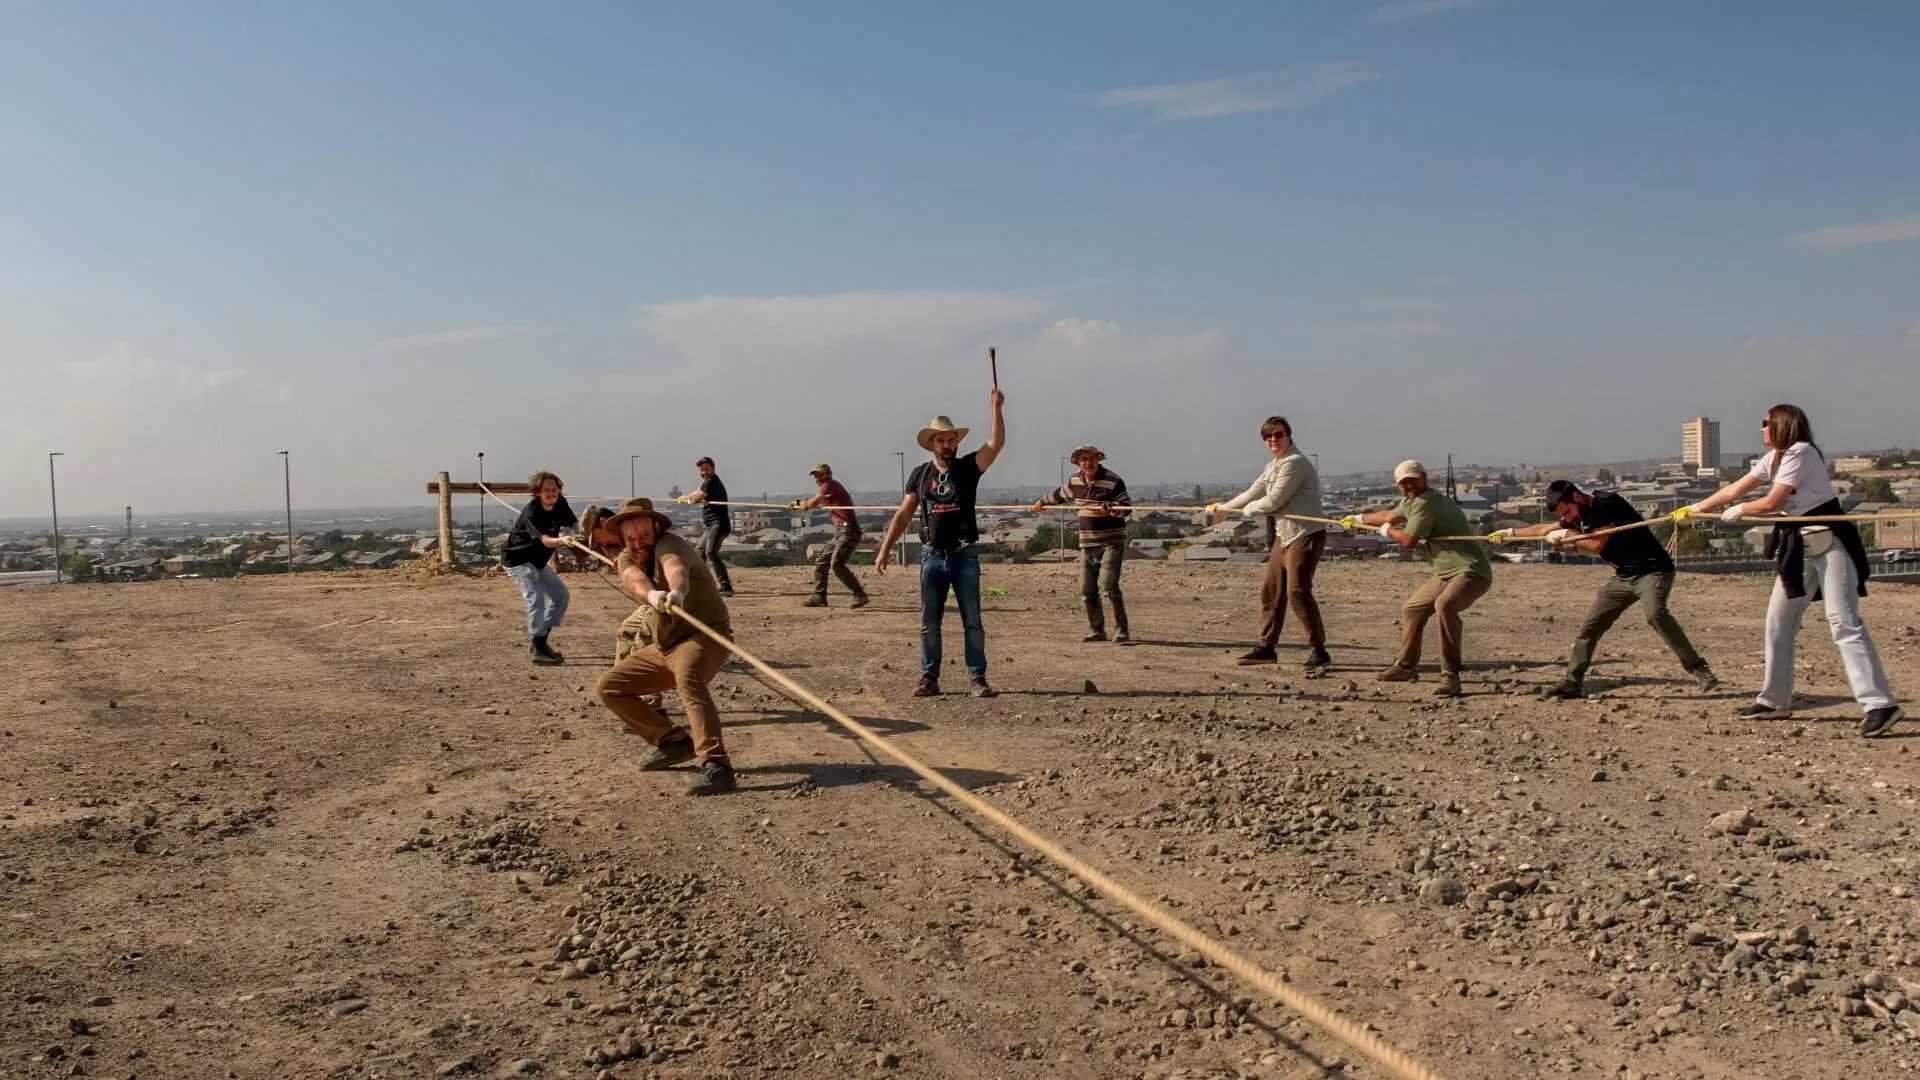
{"type": "Point", "coordinates": [1100, 500]}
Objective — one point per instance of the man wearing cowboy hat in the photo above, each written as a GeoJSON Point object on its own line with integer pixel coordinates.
{"type": "Point", "coordinates": [1462, 572]}
{"type": "Point", "coordinates": [667, 573]}
{"type": "Point", "coordinates": [1101, 502]}
{"type": "Point", "coordinates": [846, 537]}
{"type": "Point", "coordinates": [944, 490]}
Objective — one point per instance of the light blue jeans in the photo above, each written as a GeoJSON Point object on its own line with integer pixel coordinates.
{"type": "Point", "coordinates": [1833, 574]}
{"type": "Point", "coordinates": [546, 597]}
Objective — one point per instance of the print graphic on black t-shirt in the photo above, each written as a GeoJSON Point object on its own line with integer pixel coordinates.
{"type": "Point", "coordinates": [946, 503]}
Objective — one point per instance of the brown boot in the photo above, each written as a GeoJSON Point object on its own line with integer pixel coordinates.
{"type": "Point", "coordinates": [1449, 685]}
{"type": "Point", "coordinates": [1398, 673]}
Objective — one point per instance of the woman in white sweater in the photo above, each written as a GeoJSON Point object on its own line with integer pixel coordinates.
{"type": "Point", "coordinates": [1813, 562]}
{"type": "Point", "coordinates": [1289, 487]}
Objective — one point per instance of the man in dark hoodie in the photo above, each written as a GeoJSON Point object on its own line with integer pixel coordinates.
{"type": "Point", "coordinates": [535, 533]}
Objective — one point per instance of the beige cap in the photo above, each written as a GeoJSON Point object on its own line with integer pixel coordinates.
{"type": "Point", "coordinates": [1408, 469]}
{"type": "Point", "coordinates": [822, 467]}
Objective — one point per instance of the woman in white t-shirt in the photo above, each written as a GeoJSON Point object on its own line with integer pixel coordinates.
{"type": "Point", "coordinates": [1824, 562]}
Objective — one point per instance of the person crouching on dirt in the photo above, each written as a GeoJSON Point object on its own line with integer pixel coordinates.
{"type": "Point", "coordinates": [1643, 573]}
{"type": "Point", "coordinates": [668, 574]}
{"type": "Point", "coordinates": [530, 543]}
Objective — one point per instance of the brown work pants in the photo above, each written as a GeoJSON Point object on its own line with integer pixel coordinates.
{"type": "Point", "coordinates": [1446, 597]}
{"type": "Point", "coordinates": [688, 668]}
{"type": "Point", "coordinates": [1290, 581]}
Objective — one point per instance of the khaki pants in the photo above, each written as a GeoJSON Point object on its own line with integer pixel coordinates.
{"type": "Point", "coordinates": [636, 632]}
{"type": "Point", "coordinates": [833, 556]}
{"type": "Point", "coordinates": [688, 668]}
{"type": "Point", "coordinates": [1446, 597]}
{"type": "Point", "coordinates": [1290, 581]}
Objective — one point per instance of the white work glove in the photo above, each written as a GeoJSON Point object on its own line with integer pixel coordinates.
{"type": "Point", "coordinates": [1559, 536]}
{"type": "Point", "coordinates": [661, 599]}
{"type": "Point", "coordinates": [1732, 514]}
{"type": "Point", "coordinates": [1386, 530]}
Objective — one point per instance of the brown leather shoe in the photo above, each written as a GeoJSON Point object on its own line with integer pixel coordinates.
{"type": "Point", "coordinates": [927, 687]}
{"type": "Point", "coordinates": [1398, 673]}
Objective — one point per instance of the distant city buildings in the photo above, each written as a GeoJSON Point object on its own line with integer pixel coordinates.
{"type": "Point", "coordinates": [1700, 443]}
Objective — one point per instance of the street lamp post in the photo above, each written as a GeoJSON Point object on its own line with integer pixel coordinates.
{"type": "Point", "coordinates": [286, 472]}
{"type": "Point", "coordinates": [53, 492]}
{"type": "Point", "coordinates": [483, 506]}
{"type": "Point", "coordinates": [902, 455]}
{"type": "Point", "coordinates": [633, 486]}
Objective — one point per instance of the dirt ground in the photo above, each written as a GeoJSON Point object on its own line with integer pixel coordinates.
{"type": "Point", "coordinates": [339, 827]}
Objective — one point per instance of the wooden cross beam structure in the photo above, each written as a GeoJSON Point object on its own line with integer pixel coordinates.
{"type": "Point", "coordinates": [447, 489]}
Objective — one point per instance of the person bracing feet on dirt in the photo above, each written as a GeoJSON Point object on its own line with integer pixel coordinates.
{"type": "Point", "coordinates": [716, 516]}
{"type": "Point", "coordinates": [667, 573]}
{"type": "Point", "coordinates": [1462, 572]}
{"type": "Point", "coordinates": [529, 548]}
{"type": "Point", "coordinates": [1812, 561]}
{"type": "Point", "coordinates": [1101, 505]}
{"type": "Point", "coordinates": [1289, 485]}
{"type": "Point", "coordinates": [846, 537]}
{"type": "Point", "coordinates": [1643, 573]}
{"type": "Point", "coordinates": [943, 491]}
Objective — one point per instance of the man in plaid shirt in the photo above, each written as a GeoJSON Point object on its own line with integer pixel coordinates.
{"type": "Point", "coordinates": [1101, 501]}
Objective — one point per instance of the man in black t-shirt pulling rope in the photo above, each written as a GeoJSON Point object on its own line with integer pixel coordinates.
{"type": "Point", "coordinates": [1643, 574]}
{"type": "Point", "coordinates": [943, 490]}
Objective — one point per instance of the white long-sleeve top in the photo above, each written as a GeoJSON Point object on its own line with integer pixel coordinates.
{"type": "Point", "coordinates": [1288, 485]}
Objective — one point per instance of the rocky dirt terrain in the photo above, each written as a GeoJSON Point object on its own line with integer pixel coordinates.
{"type": "Point", "coordinates": [338, 827]}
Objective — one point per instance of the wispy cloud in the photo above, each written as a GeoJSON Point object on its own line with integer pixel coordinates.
{"type": "Point", "coordinates": [1413, 9]}
{"type": "Point", "coordinates": [469, 336]}
{"type": "Point", "coordinates": [1282, 88]}
{"type": "Point", "coordinates": [878, 324]}
{"type": "Point", "coordinates": [1884, 231]}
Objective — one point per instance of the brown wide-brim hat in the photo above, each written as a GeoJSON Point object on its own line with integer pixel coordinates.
{"type": "Point", "coordinates": [940, 426]}
{"type": "Point", "coordinates": [635, 508]}
{"type": "Point", "coordinates": [1086, 450]}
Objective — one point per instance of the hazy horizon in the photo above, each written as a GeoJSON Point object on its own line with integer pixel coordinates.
{"type": "Point", "coordinates": [385, 240]}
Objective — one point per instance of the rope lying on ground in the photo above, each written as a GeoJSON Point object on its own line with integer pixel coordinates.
{"type": "Point", "coordinates": [1596, 534]}
{"type": "Point", "coordinates": [1390, 1057]}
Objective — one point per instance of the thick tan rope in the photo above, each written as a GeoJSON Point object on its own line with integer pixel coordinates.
{"type": "Point", "coordinates": [1390, 1057]}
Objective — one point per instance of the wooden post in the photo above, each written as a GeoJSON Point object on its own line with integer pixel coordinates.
{"type": "Point", "coordinates": [446, 520]}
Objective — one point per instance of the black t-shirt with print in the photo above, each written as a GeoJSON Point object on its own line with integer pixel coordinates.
{"type": "Point", "coordinates": [715, 492]}
{"type": "Point", "coordinates": [946, 503]}
{"type": "Point", "coordinates": [1632, 553]}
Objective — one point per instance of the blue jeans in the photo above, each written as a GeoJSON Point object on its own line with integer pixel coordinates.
{"type": "Point", "coordinates": [546, 597]}
{"type": "Point", "coordinates": [959, 571]}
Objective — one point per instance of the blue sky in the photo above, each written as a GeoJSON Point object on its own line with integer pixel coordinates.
{"type": "Point", "coordinates": [388, 236]}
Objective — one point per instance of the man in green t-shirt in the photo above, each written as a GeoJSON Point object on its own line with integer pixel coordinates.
{"type": "Point", "coordinates": [1462, 572]}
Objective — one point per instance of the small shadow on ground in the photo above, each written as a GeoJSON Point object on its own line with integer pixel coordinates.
{"type": "Point", "coordinates": [884, 725]}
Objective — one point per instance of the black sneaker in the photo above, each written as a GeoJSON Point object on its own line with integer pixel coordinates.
{"type": "Point", "coordinates": [1564, 690]}
{"type": "Point", "coordinates": [859, 601]}
{"type": "Point", "coordinates": [1757, 711]}
{"type": "Point", "coordinates": [1880, 721]}
{"type": "Point", "coordinates": [1123, 638]}
{"type": "Point", "coordinates": [675, 747]}
{"type": "Point", "coordinates": [726, 591]}
{"type": "Point", "coordinates": [714, 779]}
{"type": "Point", "coordinates": [1707, 681]}
{"type": "Point", "coordinates": [1259, 656]}
{"type": "Point", "coordinates": [1318, 659]}
{"type": "Point", "coordinates": [928, 686]}
{"type": "Point", "coordinates": [814, 601]}
{"type": "Point", "coordinates": [542, 653]}
{"type": "Point", "coordinates": [1097, 635]}
{"type": "Point", "coordinates": [979, 688]}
